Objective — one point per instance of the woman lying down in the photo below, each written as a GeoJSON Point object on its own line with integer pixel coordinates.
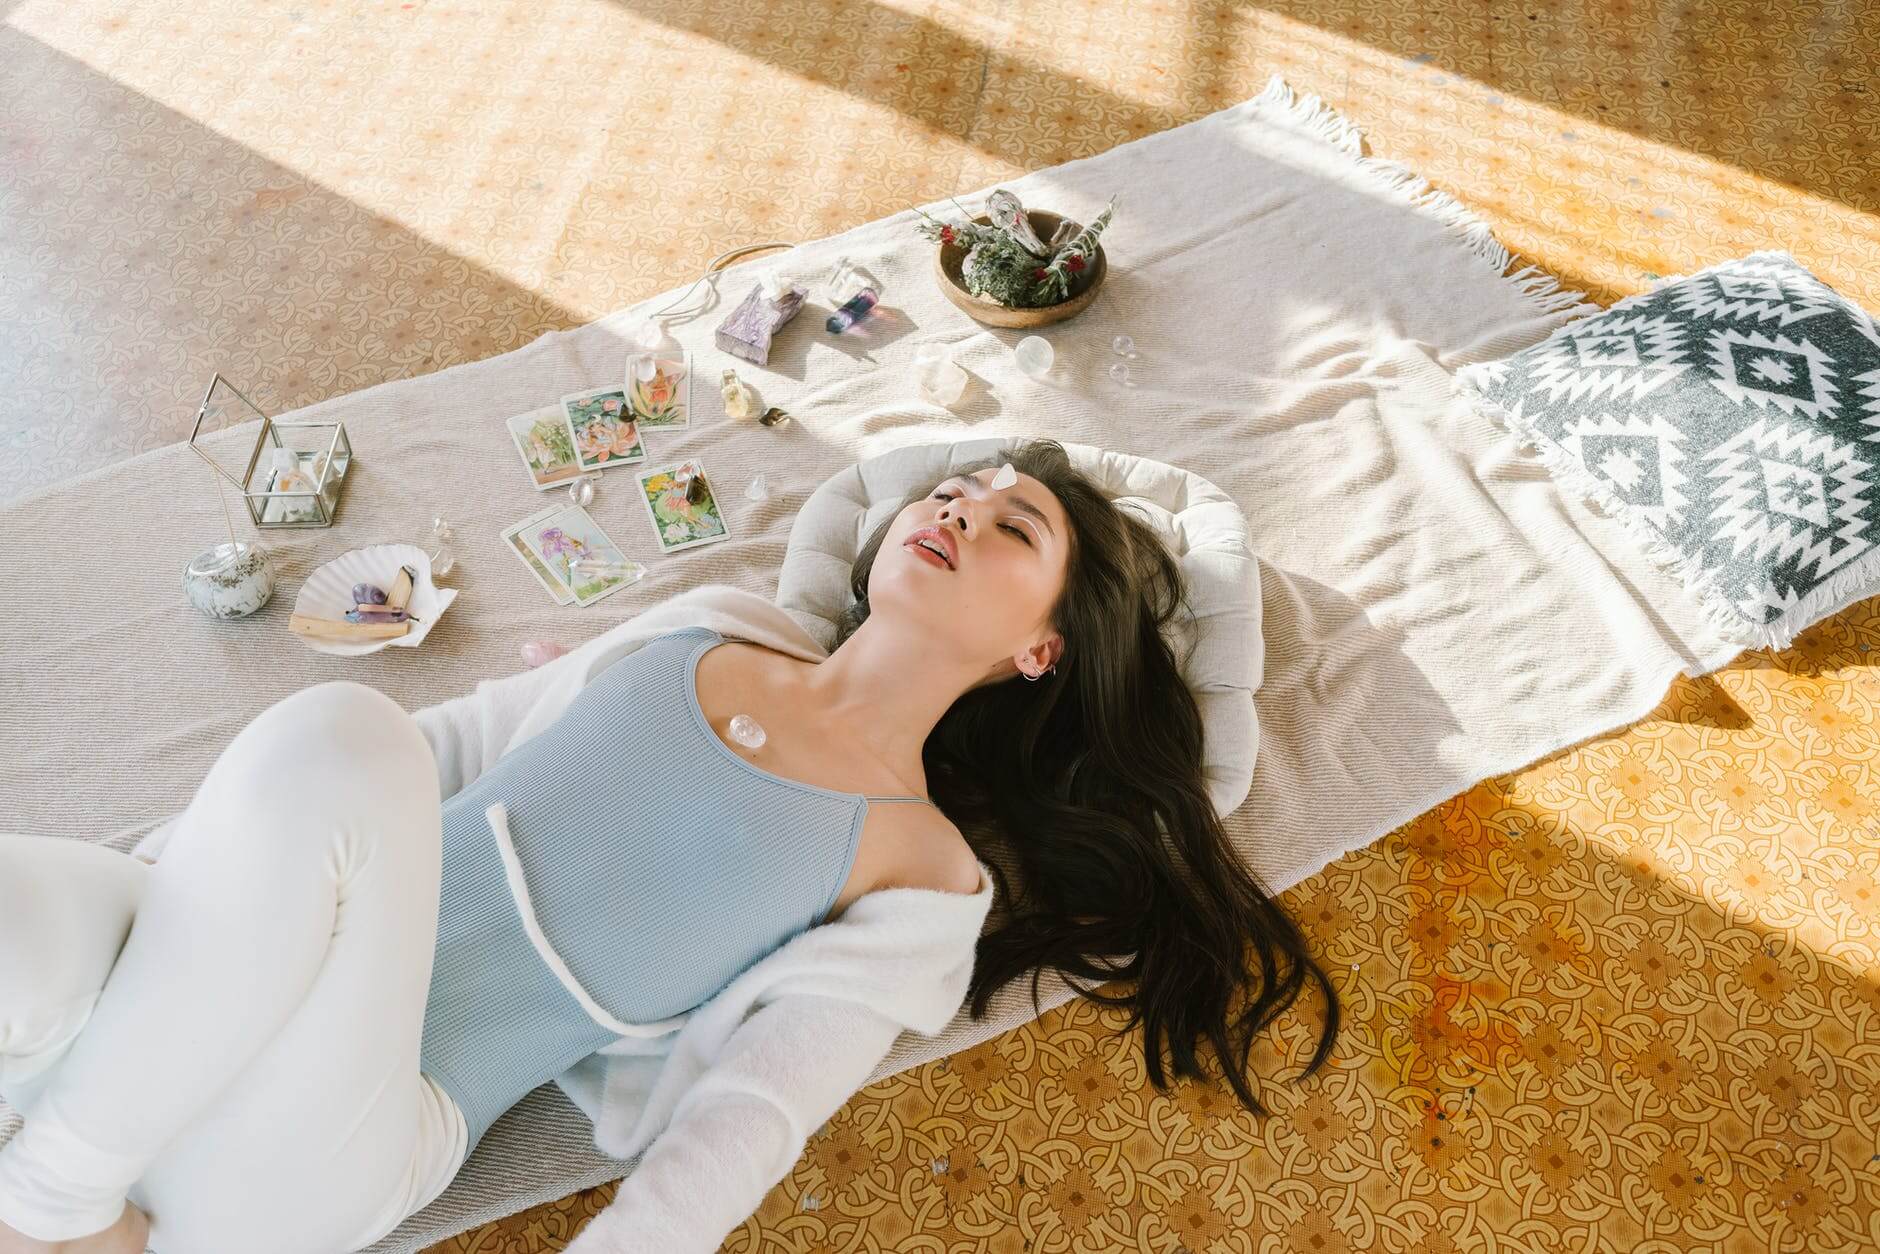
{"type": "Point", "coordinates": [371, 933]}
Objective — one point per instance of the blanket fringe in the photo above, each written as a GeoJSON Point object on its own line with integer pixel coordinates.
{"type": "Point", "coordinates": [1316, 118]}
{"type": "Point", "coordinates": [1856, 582]}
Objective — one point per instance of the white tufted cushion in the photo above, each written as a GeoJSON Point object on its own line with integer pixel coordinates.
{"type": "Point", "coordinates": [1201, 525]}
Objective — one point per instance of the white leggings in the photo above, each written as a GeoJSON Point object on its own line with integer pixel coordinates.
{"type": "Point", "coordinates": [229, 1038]}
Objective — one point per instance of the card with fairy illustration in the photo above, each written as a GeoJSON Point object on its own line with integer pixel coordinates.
{"type": "Point", "coordinates": [682, 506]}
{"type": "Point", "coordinates": [604, 431]}
{"type": "Point", "coordinates": [665, 399]}
{"type": "Point", "coordinates": [546, 443]}
{"type": "Point", "coordinates": [575, 552]}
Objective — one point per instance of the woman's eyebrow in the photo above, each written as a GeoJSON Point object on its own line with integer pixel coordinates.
{"type": "Point", "coordinates": [1035, 512]}
{"type": "Point", "coordinates": [1020, 503]}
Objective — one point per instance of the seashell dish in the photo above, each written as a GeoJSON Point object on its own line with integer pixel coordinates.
{"type": "Point", "coordinates": [328, 593]}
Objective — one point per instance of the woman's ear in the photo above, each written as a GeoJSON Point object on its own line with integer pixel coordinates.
{"type": "Point", "coordinates": [1040, 657]}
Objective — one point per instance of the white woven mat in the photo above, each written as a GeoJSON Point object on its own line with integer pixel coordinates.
{"type": "Point", "coordinates": [1435, 611]}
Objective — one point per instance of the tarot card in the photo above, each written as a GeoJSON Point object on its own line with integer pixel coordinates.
{"type": "Point", "coordinates": [682, 505]}
{"type": "Point", "coordinates": [546, 443]}
{"type": "Point", "coordinates": [551, 583]}
{"type": "Point", "coordinates": [605, 433]}
{"type": "Point", "coordinates": [665, 400]}
{"type": "Point", "coordinates": [567, 537]}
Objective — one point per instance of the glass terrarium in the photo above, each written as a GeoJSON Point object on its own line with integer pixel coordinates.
{"type": "Point", "coordinates": [292, 473]}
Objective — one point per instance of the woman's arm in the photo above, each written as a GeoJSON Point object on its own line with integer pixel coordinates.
{"type": "Point", "coordinates": [742, 1125]}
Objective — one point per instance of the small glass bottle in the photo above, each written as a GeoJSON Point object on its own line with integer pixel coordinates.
{"type": "Point", "coordinates": [737, 396]}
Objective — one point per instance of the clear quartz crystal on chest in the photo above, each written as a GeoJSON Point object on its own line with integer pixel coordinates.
{"type": "Point", "coordinates": [745, 731]}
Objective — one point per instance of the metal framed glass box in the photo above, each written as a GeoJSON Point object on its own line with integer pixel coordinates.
{"type": "Point", "coordinates": [294, 473]}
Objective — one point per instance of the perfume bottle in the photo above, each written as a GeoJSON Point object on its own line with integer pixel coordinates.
{"type": "Point", "coordinates": [737, 396]}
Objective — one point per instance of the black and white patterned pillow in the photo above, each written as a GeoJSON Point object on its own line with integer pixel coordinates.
{"type": "Point", "coordinates": [1731, 420]}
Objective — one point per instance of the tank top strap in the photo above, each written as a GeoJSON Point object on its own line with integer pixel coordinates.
{"type": "Point", "coordinates": [922, 800]}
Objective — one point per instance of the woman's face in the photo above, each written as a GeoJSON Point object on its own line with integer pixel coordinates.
{"type": "Point", "coordinates": [1005, 556]}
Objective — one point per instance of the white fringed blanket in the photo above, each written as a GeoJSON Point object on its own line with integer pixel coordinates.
{"type": "Point", "coordinates": [1435, 611]}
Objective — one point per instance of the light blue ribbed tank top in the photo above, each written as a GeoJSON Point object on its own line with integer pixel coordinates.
{"type": "Point", "coordinates": [656, 862]}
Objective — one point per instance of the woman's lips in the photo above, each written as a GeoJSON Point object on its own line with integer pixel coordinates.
{"type": "Point", "coordinates": [926, 554]}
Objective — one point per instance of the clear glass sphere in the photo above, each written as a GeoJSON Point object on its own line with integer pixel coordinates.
{"type": "Point", "coordinates": [1121, 372]}
{"type": "Point", "coordinates": [1034, 355]}
{"type": "Point", "coordinates": [1123, 346]}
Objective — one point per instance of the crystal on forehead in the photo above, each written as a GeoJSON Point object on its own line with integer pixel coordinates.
{"type": "Point", "coordinates": [1005, 478]}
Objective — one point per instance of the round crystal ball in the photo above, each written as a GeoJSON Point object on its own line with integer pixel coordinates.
{"type": "Point", "coordinates": [1123, 346]}
{"type": "Point", "coordinates": [1033, 355]}
{"type": "Point", "coordinates": [1121, 373]}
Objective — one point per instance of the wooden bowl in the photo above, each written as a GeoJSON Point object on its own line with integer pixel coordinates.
{"type": "Point", "coordinates": [951, 257]}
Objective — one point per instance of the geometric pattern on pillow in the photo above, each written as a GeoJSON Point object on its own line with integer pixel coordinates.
{"type": "Point", "coordinates": [1730, 419]}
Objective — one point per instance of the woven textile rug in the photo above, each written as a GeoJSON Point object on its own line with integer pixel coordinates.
{"type": "Point", "coordinates": [1435, 611]}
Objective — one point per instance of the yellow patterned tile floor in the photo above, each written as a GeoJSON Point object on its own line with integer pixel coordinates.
{"type": "Point", "coordinates": [1626, 999]}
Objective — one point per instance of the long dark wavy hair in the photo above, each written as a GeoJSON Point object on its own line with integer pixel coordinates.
{"type": "Point", "coordinates": [1090, 780]}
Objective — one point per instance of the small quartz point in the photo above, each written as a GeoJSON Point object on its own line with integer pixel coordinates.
{"type": "Point", "coordinates": [758, 491]}
{"type": "Point", "coordinates": [1007, 477]}
{"type": "Point", "coordinates": [442, 559]}
{"type": "Point", "coordinates": [745, 731]}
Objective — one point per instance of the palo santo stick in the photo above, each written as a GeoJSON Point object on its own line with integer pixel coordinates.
{"type": "Point", "coordinates": [335, 629]}
{"type": "Point", "coordinates": [400, 591]}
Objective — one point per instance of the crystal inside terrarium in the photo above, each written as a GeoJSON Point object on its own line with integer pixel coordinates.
{"type": "Point", "coordinates": [296, 479]}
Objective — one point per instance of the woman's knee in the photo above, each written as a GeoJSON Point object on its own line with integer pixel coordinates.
{"type": "Point", "coordinates": [334, 753]}
{"type": "Point", "coordinates": [65, 909]}
{"type": "Point", "coordinates": [341, 725]}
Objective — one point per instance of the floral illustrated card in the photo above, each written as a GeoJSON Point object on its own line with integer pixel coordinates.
{"type": "Point", "coordinates": [605, 433]}
{"type": "Point", "coordinates": [574, 550]}
{"type": "Point", "coordinates": [546, 443]}
{"type": "Point", "coordinates": [682, 506]}
{"type": "Point", "coordinates": [665, 400]}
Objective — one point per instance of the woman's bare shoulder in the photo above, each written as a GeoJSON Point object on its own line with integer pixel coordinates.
{"type": "Point", "coordinates": [930, 852]}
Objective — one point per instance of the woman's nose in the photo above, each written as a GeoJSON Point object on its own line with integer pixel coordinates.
{"type": "Point", "coordinates": [955, 514]}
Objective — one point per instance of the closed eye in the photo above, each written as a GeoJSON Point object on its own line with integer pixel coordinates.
{"type": "Point", "coordinates": [1017, 531]}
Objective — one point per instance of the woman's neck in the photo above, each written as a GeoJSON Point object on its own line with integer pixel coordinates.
{"type": "Point", "coordinates": [880, 694]}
